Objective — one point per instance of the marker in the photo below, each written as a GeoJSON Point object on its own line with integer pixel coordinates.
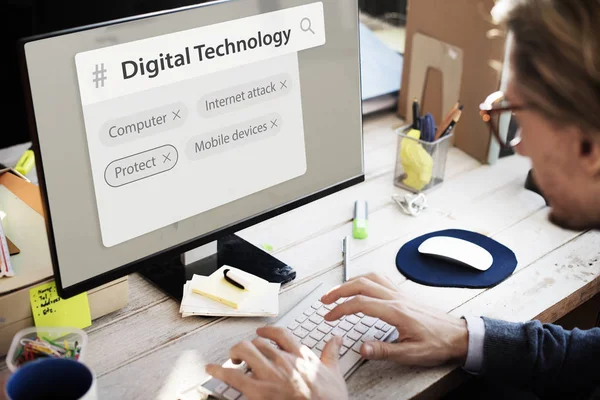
{"type": "Point", "coordinates": [26, 162]}
{"type": "Point", "coordinates": [235, 279]}
{"type": "Point", "coordinates": [360, 223]}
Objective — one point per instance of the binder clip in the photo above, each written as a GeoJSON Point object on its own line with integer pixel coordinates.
{"type": "Point", "coordinates": [411, 204]}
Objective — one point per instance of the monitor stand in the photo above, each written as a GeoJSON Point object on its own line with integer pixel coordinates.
{"type": "Point", "coordinates": [230, 250]}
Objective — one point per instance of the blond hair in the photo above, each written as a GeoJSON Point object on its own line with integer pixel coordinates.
{"type": "Point", "coordinates": [556, 57]}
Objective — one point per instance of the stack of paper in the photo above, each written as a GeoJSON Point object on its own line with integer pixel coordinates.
{"type": "Point", "coordinates": [214, 296]}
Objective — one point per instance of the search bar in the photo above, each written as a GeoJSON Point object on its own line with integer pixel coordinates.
{"type": "Point", "coordinates": [131, 67]}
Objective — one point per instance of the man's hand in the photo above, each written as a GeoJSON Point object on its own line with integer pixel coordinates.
{"type": "Point", "coordinates": [288, 372]}
{"type": "Point", "coordinates": [427, 337]}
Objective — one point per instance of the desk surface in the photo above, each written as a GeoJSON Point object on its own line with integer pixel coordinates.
{"type": "Point", "coordinates": [146, 350]}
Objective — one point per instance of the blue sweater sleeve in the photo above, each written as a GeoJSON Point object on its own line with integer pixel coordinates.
{"type": "Point", "coordinates": [543, 358]}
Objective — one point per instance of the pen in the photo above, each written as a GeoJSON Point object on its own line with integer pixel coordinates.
{"type": "Point", "coordinates": [345, 252]}
{"type": "Point", "coordinates": [415, 109]}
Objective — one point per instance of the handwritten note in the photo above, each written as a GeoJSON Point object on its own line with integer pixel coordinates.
{"type": "Point", "coordinates": [51, 310]}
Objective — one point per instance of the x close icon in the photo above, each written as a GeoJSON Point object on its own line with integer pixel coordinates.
{"type": "Point", "coordinates": [167, 157]}
{"type": "Point", "coordinates": [274, 123]}
{"type": "Point", "coordinates": [283, 84]}
{"type": "Point", "coordinates": [176, 114]}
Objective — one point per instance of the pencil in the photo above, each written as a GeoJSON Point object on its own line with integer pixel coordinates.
{"type": "Point", "coordinates": [450, 127]}
{"type": "Point", "coordinates": [446, 121]}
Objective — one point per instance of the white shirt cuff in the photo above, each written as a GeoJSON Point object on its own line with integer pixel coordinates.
{"type": "Point", "coordinates": [476, 329]}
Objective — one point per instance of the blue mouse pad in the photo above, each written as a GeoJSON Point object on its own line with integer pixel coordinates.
{"type": "Point", "coordinates": [431, 271]}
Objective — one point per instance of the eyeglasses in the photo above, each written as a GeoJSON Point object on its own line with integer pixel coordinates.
{"type": "Point", "coordinates": [496, 110]}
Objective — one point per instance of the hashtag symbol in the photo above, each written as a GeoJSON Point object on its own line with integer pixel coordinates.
{"type": "Point", "coordinates": [99, 75]}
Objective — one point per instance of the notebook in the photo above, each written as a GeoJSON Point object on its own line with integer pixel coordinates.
{"type": "Point", "coordinates": [214, 296]}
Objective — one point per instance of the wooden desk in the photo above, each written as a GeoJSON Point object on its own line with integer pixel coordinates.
{"type": "Point", "coordinates": [147, 350]}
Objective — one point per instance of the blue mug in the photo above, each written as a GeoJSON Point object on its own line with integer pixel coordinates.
{"type": "Point", "coordinates": [52, 378]}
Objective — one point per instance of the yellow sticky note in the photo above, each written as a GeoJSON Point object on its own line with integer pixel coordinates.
{"type": "Point", "coordinates": [50, 310]}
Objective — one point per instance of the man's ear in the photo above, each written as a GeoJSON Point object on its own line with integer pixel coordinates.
{"type": "Point", "coordinates": [590, 154]}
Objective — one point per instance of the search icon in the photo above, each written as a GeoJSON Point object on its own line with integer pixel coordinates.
{"type": "Point", "coordinates": [306, 25]}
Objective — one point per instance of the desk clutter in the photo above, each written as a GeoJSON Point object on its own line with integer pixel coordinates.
{"type": "Point", "coordinates": [31, 344]}
{"type": "Point", "coordinates": [422, 149]}
{"type": "Point", "coordinates": [230, 292]}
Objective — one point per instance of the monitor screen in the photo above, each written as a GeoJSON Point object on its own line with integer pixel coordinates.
{"type": "Point", "coordinates": [155, 132]}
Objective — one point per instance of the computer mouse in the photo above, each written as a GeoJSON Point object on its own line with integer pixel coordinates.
{"type": "Point", "coordinates": [458, 251]}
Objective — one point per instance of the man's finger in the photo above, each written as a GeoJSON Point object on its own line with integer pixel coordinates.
{"type": "Point", "coordinates": [376, 350]}
{"type": "Point", "coordinates": [231, 376]}
{"type": "Point", "coordinates": [331, 352]}
{"type": "Point", "coordinates": [359, 286]}
{"type": "Point", "coordinates": [383, 280]}
{"type": "Point", "coordinates": [282, 337]}
{"type": "Point", "coordinates": [273, 354]}
{"type": "Point", "coordinates": [256, 361]}
{"type": "Point", "coordinates": [382, 309]}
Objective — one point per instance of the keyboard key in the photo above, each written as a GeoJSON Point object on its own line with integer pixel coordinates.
{"type": "Point", "coordinates": [333, 323]}
{"type": "Point", "coordinates": [317, 305]}
{"type": "Point", "coordinates": [354, 335]}
{"type": "Point", "coordinates": [368, 321]}
{"type": "Point", "coordinates": [370, 335]}
{"type": "Point", "coordinates": [353, 319]}
{"type": "Point", "coordinates": [327, 338]}
{"type": "Point", "coordinates": [322, 311]}
{"type": "Point", "coordinates": [323, 327]}
{"type": "Point", "coordinates": [301, 318]}
{"type": "Point", "coordinates": [301, 332]}
{"type": "Point", "coordinates": [309, 326]}
{"type": "Point", "coordinates": [343, 350]}
{"type": "Point", "coordinates": [360, 315]}
{"type": "Point", "coordinates": [345, 326]}
{"type": "Point", "coordinates": [320, 345]}
{"type": "Point", "coordinates": [338, 332]}
{"type": "Point", "coordinates": [292, 326]}
{"type": "Point", "coordinates": [340, 300]}
{"type": "Point", "coordinates": [315, 319]}
{"type": "Point", "coordinates": [231, 394]}
{"type": "Point", "coordinates": [221, 388]}
{"type": "Point", "coordinates": [386, 327]}
{"type": "Point", "coordinates": [309, 312]}
{"type": "Point", "coordinates": [349, 360]}
{"type": "Point", "coordinates": [379, 335]}
{"type": "Point", "coordinates": [317, 352]}
{"type": "Point", "coordinates": [318, 335]}
{"type": "Point", "coordinates": [357, 346]}
{"type": "Point", "coordinates": [309, 342]}
{"type": "Point", "coordinates": [379, 324]}
{"type": "Point", "coordinates": [361, 328]}
{"type": "Point", "coordinates": [348, 342]}
{"type": "Point", "coordinates": [330, 306]}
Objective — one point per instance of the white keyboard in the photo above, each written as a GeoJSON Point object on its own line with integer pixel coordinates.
{"type": "Point", "coordinates": [305, 321]}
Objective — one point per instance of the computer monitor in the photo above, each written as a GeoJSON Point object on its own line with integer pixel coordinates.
{"type": "Point", "coordinates": [160, 133]}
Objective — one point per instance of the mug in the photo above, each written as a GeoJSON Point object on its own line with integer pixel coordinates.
{"type": "Point", "coordinates": [52, 378]}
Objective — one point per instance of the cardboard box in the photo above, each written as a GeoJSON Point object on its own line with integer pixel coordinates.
{"type": "Point", "coordinates": [24, 225]}
{"type": "Point", "coordinates": [461, 26]}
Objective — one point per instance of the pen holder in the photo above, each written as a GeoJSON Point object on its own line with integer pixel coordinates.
{"type": "Point", "coordinates": [420, 165]}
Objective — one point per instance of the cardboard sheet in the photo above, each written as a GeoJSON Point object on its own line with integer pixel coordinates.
{"type": "Point", "coordinates": [464, 24]}
{"type": "Point", "coordinates": [434, 59]}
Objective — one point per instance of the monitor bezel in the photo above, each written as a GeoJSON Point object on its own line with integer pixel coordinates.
{"type": "Point", "coordinates": [178, 249]}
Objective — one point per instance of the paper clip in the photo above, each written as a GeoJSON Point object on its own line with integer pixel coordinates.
{"type": "Point", "coordinates": [411, 204]}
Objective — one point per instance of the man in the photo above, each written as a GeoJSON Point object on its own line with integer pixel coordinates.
{"type": "Point", "coordinates": [554, 93]}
